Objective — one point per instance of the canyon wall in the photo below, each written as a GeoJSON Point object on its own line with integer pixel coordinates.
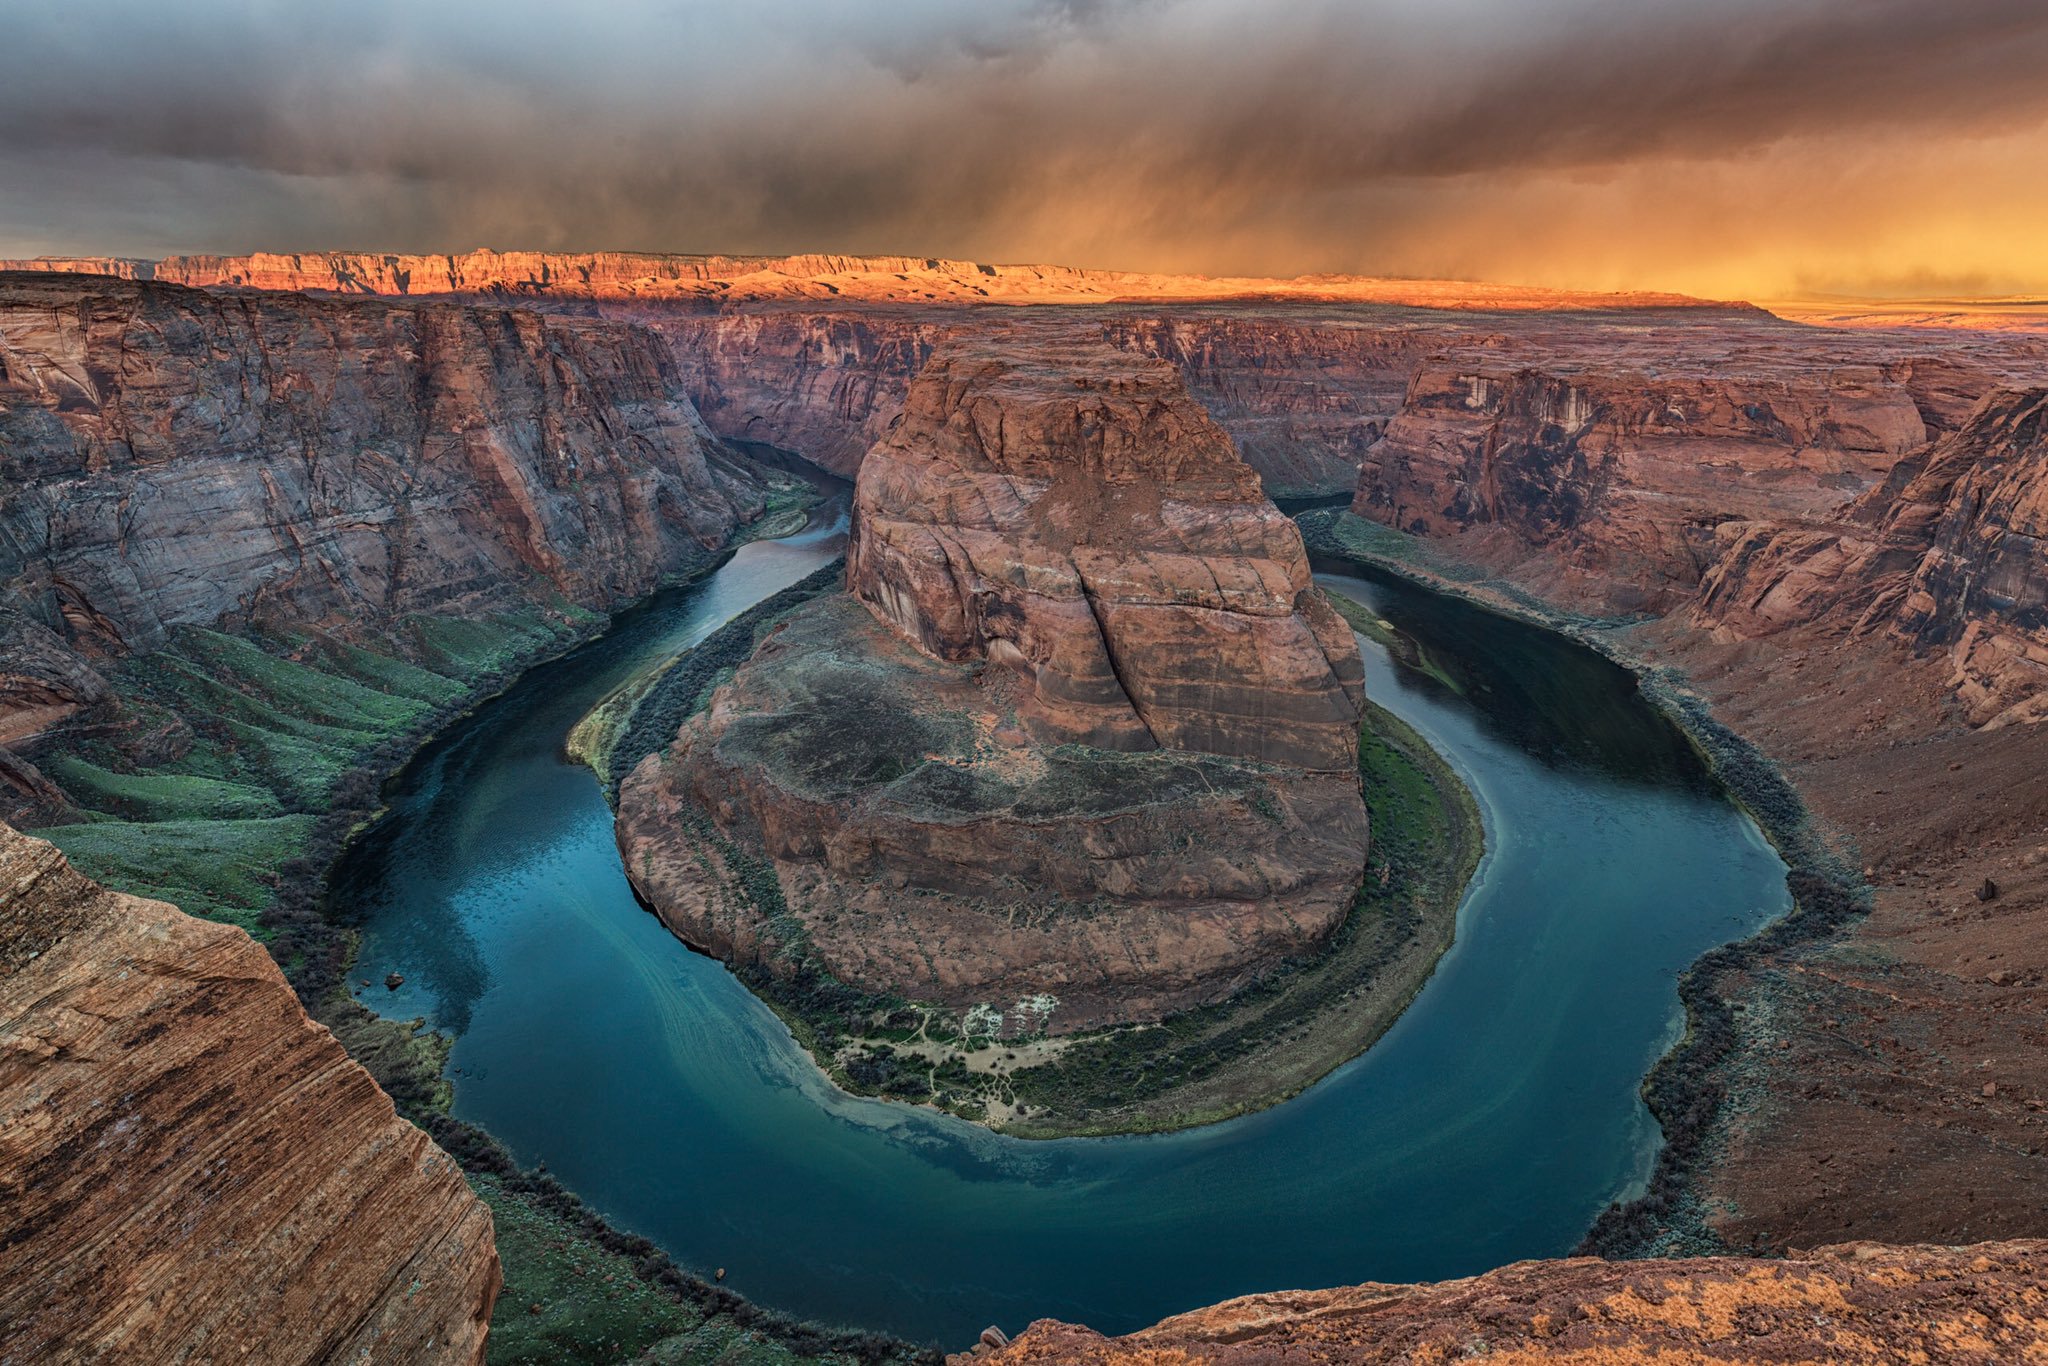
{"type": "Point", "coordinates": [173, 457]}
{"type": "Point", "coordinates": [1624, 476]}
{"type": "Point", "coordinates": [1945, 556]}
{"type": "Point", "coordinates": [1303, 398]}
{"type": "Point", "coordinates": [824, 385]}
{"type": "Point", "coordinates": [192, 1170]}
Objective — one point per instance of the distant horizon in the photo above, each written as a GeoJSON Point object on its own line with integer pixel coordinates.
{"type": "Point", "coordinates": [1934, 299]}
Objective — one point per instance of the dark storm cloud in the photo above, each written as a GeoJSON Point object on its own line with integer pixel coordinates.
{"type": "Point", "coordinates": [1225, 134]}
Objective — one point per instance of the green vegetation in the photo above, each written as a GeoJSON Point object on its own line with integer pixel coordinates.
{"type": "Point", "coordinates": [216, 869]}
{"type": "Point", "coordinates": [161, 796]}
{"type": "Point", "coordinates": [210, 774]}
{"type": "Point", "coordinates": [579, 1290]}
{"type": "Point", "coordinates": [569, 1299]}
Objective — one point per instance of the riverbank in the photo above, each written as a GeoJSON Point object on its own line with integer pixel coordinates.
{"type": "Point", "coordinates": [1263, 1046]}
{"type": "Point", "coordinates": [1686, 1091]}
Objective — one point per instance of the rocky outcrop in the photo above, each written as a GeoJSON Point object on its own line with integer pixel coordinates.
{"type": "Point", "coordinates": [1854, 1302]}
{"type": "Point", "coordinates": [1083, 727]}
{"type": "Point", "coordinates": [190, 1169]}
{"type": "Point", "coordinates": [1081, 521]}
{"type": "Point", "coordinates": [849, 804]}
{"type": "Point", "coordinates": [172, 457]}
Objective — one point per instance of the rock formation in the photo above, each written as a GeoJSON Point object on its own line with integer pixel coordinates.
{"type": "Point", "coordinates": [1946, 555]}
{"type": "Point", "coordinates": [190, 1169]}
{"type": "Point", "coordinates": [1083, 727]}
{"type": "Point", "coordinates": [715, 280]}
{"type": "Point", "coordinates": [825, 385]}
{"type": "Point", "coordinates": [1855, 1302]}
{"type": "Point", "coordinates": [1092, 529]}
{"type": "Point", "coordinates": [169, 456]}
{"type": "Point", "coordinates": [1629, 474]}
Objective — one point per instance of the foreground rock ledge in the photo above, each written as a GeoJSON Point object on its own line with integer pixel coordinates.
{"type": "Point", "coordinates": [190, 1168]}
{"type": "Point", "coordinates": [1850, 1302]}
{"type": "Point", "coordinates": [1082, 727]}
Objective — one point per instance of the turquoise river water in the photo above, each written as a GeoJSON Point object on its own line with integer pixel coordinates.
{"type": "Point", "coordinates": [1492, 1122]}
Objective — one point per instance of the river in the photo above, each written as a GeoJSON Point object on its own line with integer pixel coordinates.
{"type": "Point", "coordinates": [1491, 1123]}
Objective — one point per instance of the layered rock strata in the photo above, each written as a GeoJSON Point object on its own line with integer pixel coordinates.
{"type": "Point", "coordinates": [1082, 727]}
{"type": "Point", "coordinates": [172, 457]}
{"type": "Point", "coordinates": [1947, 556]}
{"type": "Point", "coordinates": [716, 280]}
{"type": "Point", "coordinates": [1628, 475]}
{"type": "Point", "coordinates": [1856, 1302]}
{"type": "Point", "coordinates": [190, 1169]}
{"type": "Point", "coordinates": [1093, 530]}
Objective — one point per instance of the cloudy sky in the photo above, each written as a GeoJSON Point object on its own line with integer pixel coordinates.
{"type": "Point", "coordinates": [1731, 147]}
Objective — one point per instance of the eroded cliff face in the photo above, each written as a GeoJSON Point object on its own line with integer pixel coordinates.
{"type": "Point", "coordinates": [171, 457]}
{"type": "Point", "coordinates": [1623, 475]}
{"type": "Point", "coordinates": [1080, 520]}
{"type": "Point", "coordinates": [1946, 556]}
{"type": "Point", "coordinates": [190, 1168]}
{"type": "Point", "coordinates": [825, 385]}
{"type": "Point", "coordinates": [1980, 499]}
{"type": "Point", "coordinates": [1082, 728]}
{"type": "Point", "coordinates": [1854, 1302]}
{"type": "Point", "coordinates": [1304, 398]}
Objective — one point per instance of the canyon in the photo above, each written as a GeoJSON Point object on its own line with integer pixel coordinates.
{"type": "Point", "coordinates": [281, 465]}
{"type": "Point", "coordinates": [1830, 535]}
{"type": "Point", "coordinates": [1082, 730]}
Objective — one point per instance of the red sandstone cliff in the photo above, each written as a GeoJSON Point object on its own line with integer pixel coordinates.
{"type": "Point", "coordinates": [170, 456]}
{"type": "Point", "coordinates": [192, 1170]}
{"type": "Point", "coordinates": [726, 279]}
{"type": "Point", "coordinates": [1079, 519]}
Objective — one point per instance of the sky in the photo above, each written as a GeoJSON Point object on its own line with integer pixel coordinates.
{"type": "Point", "coordinates": [1731, 148]}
